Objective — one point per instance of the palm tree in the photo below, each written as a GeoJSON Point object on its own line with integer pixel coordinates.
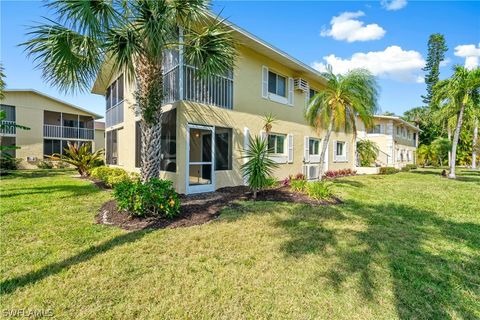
{"type": "Point", "coordinates": [131, 37]}
{"type": "Point", "coordinates": [367, 151]}
{"type": "Point", "coordinates": [2, 81]}
{"type": "Point", "coordinates": [337, 106]}
{"type": "Point", "coordinates": [456, 93]}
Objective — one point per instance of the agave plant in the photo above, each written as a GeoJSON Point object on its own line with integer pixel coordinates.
{"type": "Point", "coordinates": [80, 157]}
{"type": "Point", "coordinates": [259, 167]}
{"type": "Point", "coordinates": [269, 120]}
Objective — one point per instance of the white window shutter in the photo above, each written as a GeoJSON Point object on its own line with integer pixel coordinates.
{"type": "Point", "coordinates": [290, 91]}
{"type": "Point", "coordinates": [334, 150]}
{"type": "Point", "coordinates": [306, 152]}
{"type": "Point", "coordinates": [325, 159]}
{"type": "Point", "coordinates": [290, 148]}
{"type": "Point", "coordinates": [264, 82]}
{"type": "Point", "coordinates": [346, 151]}
{"type": "Point", "coordinates": [246, 147]}
{"type": "Point", "coordinates": [263, 134]}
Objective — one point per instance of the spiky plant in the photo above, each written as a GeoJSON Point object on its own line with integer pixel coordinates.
{"type": "Point", "coordinates": [130, 37]}
{"type": "Point", "coordinates": [80, 157]}
{"type": "Point", "coordinates": [343, 99]}
{"type": "Point", "coordinates": [268, 121]}
{"type": "Point", "coordinates": [259, 167]}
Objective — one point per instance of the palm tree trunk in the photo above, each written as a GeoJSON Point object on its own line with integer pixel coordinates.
{"type": "Point", "coordinates": [475, 140]}
{"type": "Point", "coordinates": [325, 146]}
{"type": "Point", "coordinates": [149, 96]}
{"type": "Point", "coordinates": [449, 133]}
{"type": "Point", "coordinates": [456, 136]}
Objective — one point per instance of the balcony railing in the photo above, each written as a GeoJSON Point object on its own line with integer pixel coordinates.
{"type": "Point", "coordinates": [7, 128]}
{"type": "Point", "coordinates": [114, 115]}
{"type": "Point", "coordinates": [52, 131]}
{"type": "Point", "coordinates": [216, 90]}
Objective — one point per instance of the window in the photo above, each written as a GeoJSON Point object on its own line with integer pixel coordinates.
{"type": "Point", "coordinates": [169, 141]}
{"type": "Point", "coordinates": [112, 147]}
{"type": "Point", "coordinates": [9, 112]}
{"type": "Point", "coordinates": [223, 149]}
{"type": "Point", "coordinates": [377, 129]}
{"type": "Point", "coordinates": [114, 93]}
{"type": "Point", "coordinates": [276, 143]}
{"type": "Point", "coordinates": [51, 146]}
{"type": "Point", "coordinates": [340, 148]}
{"type": "Point", "coordinates": [314, 147]}
{"type": "Point", "coordinates": [312, 93]}
{"type": "Point", "coordinates": [277, 84]}
{"type": "Point", "coordinates": [404, 132]}
{"type": "Point", "coordinates": [340, 151]}
{"type": "Point", "coordinates": [399, 131]}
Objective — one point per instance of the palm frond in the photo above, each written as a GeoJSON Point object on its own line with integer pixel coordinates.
{"type": "Point", "coordinates": [68, 59]}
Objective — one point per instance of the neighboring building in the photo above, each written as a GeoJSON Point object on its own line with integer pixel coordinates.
{"type": "Point", "coordinates": [207, 124]}
{"type": "Point", "coordinates": [396, 138]}
{"type": "Point", "coordinates": [52, 123]}
{"type": "Point", "coordinates": [99, 141]}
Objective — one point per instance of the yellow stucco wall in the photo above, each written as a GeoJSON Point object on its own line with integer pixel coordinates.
{"type": "Point", "coordinates": [29, 109]}
{"type": "Point", "coordinates": [248, 112]}
{"type": "Point", "coordinates": [99, 141]}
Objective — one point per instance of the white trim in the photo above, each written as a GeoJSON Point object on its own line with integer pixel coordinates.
{"type": "Point", "coordinates": [180, 65]}
{"type": "Point", "coordinates": [276, 98]}
{"type": "Point", "coordinates": [246, 147]}
{"type": "Point", "coordinates": [290, 148]}
{"type": "Point", "coordinates": [206, 187]}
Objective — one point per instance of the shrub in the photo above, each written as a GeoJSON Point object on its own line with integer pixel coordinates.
{"type": "Point", "coordinates": [80, 157]}
{"type": "Point", "coordinates": [271, 182]}
{"type": "Point", "coordinates": [318, 190]}
{"type": "Point", "coordinates": [411, 166]}
{"type": "Point", "coordinates": [298, 185]}
{"type": "Point", "coordinates": [42, 164]}
{"type": "Point", "coordinates": [300, 176]}
{"type": "Point", "coordinates": [111, 176]}
{"type": "Point", "coordinates": [367, 152]}
{"type": "Point", "coordinates": [61, 165]}
{"type": "Point", "coordinates": [154, 197]}
{"type": "Point", "coordinates": [9, 163]}
{"type": "Point", "coordinates": [259, 167]}
{"type": "Point", "coordinates": [331, 174]}
{"type": "Point", "coordinates": [388, 170]}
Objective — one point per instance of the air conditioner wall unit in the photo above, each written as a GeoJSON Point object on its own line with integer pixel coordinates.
{"type": "Point", "coordinates": [301, 84]}
{"type": "Point", "coordinates": [311, 172]}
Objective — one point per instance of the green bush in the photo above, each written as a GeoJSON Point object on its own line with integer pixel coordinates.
{"type": "Point", "coordinates": [155, 197]}
{"type": "Point", "coordinates": [411, 166]}
{"type": "Point", "coordinates": [298, 185]}
{"type": "Point", "coordinates": [61, 165]}
{"type": "Point", "coordinates": [388, 170]}
{"type": "Point", "coordinates": [271, 182]}
{"type": "Point", "coordinates": [9, 163]}
{"type": "Point", "coordinates": [111, 176]}
{"type": "Point", "coordinates": [42, 164]}
{"type": "Point", "coordinates": [318, 190]}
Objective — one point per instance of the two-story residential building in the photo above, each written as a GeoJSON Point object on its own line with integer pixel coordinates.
{"type": "Point", "coordinates": [208, 123]}
{"type": "Point", "coordinates": [396, 138]}
{"type": "Point", "coordinates": [52, 124]}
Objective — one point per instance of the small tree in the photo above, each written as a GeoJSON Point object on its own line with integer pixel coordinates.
{"type": "Point", "coordinates": [259, 167]}
{"type": "Point", "coordinates": [440, 148]}
{"type": "Point", "coordinates": [337, 107]}
{"type": "Point", "coordinates": [424, 155]}
{"type": "Point", "coordinates": [367, 151]}
{"type": "Point", "coordinates": [80, 157]}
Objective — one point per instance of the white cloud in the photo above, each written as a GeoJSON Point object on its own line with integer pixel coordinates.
{"type": "Point", "coordinates": [393, 63]}
{"type": "Point", "coordinates": [471, 53]}
{"type": "Point", "coordinates": [393, 5]}
{"type": "Point", "coordinates": [347, 27]}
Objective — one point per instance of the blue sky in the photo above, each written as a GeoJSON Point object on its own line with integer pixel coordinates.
{"type": "Point", "coordinates": [390, 41]}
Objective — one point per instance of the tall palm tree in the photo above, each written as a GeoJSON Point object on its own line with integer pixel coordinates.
{"type": "Point", "coordinates": [131, 37]}
{"type": "Point", "coordinates": [337, 106]}
{"type": "Point", "coordinates": [2, 81]}
{"type": "Point", "coordinates": [456, 94]}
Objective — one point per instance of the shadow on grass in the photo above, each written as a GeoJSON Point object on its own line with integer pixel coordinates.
{"type": "Point", "coordinates": [10, 285]}
{"type": "Point", "coordinates": [346, 181]}
{"type": "Point", "coordinates": [422, 254]}
{"type": "Point", "coordinates": [69, 189]}
{"type": "Point", "coordinates": [37, 173]}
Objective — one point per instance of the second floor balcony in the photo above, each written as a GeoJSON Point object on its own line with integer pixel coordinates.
{"type": "Point", "coordinates": [7, 128]}
{"type": "Point", "coordinates": [68, 126]}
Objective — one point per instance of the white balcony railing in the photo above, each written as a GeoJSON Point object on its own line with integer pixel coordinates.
{"type": "Point", "coordinates": [8, 128]}
{"type": "Point", "coordinates": [52, 131]}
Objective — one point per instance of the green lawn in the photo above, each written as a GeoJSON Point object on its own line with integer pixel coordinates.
{"type": "Point", "coordinates": [402, 246]}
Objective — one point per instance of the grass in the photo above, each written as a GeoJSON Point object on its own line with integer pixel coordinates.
{"type": "Point", "coordinates": [403, 246]}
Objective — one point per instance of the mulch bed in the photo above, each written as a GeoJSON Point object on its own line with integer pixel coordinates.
{"type": "Point", "coordinates": [201, 208]}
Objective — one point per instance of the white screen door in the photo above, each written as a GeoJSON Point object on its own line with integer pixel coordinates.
{"type": "Point", "coordinates": [200, 173]}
